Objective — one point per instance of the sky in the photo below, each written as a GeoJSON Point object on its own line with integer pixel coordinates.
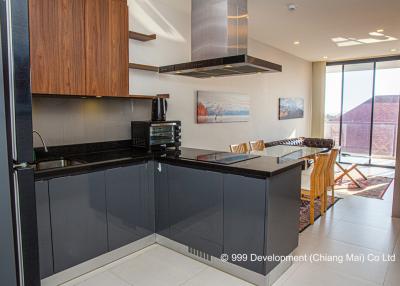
{"type": "Point", "coordinates": [358, 87]}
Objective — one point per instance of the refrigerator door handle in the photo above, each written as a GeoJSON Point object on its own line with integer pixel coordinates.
{"type": "Point", "coordinates": [11, 86]}
{"type": "Point", "coordinates": [18, 229]}
{"type": "Point", "coordinates": [17, 166]}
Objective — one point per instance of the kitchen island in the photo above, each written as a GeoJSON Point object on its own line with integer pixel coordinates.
{"type": "Point", "coordinates": [230, 216]}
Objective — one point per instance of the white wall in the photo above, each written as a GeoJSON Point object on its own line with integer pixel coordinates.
{"type": "Point", "coordinates": [172, 27]}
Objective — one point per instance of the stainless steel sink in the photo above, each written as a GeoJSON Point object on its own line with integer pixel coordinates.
{"type": "Point", "coordinates": [54, 164]}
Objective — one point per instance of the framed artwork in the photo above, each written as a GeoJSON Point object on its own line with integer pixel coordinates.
{"type": "Point", "coordinates": [220, 107]}
{"type": "Point", "coordinates": [290, 108]}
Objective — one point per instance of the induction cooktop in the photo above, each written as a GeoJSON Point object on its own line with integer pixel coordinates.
{"type": "Point", "coordinates": [225, 158]}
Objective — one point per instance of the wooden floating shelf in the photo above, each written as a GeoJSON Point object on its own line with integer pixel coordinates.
{"type": "Point", "coordinates": [131, 96]}
{"type": "Point", "coordinates": [142, 37]}
{"type": "Point", "coordinates": [136, 96]}
{"type": "Point", "coordinates": [143, 67]}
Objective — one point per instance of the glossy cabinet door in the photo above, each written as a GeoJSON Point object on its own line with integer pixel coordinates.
{"type": "Point", "coordinates": [161, 199]}
{"type": "Point", "coordinates": [195, 208]}
{"type": "Point", "coordinates": [57, 46]}
{"type": "Point", "coordinates": [78, 218]}
{"type": "Point", "coordinates": [283, 206]}
{"type": "Point", "coordinates": [244, 219]}
{"type": "Point", "coordinates": [44, 228]}
{"type": "Point", "coordinates": [130, 205]}
{"type": "Point", "coordinates": [107, 51]}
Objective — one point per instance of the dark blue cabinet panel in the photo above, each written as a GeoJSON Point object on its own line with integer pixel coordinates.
{"type": "Point", "coordinates": [195, 208]}
{"type": "Point", "coordinates": [130, 205]}
{"type": "Point", "coordinates": [44, 229]}
{"type": "Point", "coordinates": [244, 219]}
{"type": "Point", "coordinates": [78, 218]}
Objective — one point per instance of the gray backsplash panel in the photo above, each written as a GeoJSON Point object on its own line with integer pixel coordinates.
{"type": "Point", "coordinates": [64, 121]}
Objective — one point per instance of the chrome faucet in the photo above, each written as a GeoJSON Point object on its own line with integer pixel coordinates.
{"type": "Point", "coordinates": [41, 139]}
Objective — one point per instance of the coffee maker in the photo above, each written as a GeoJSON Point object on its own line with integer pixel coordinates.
{"type": "Point", "coordinates": [159, 109]}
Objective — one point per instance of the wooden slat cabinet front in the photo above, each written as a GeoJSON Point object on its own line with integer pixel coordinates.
{"type": "Point", "coordinates": [79, 47]}
{"type": "Point", "coordinates": [57, 46]}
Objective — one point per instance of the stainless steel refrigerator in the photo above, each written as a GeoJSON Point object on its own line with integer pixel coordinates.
{"type": "Point", "coordinates": [19, 263]}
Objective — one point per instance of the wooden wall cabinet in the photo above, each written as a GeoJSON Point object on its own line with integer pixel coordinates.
{"type": "Point", "coordinates": [79, 47]}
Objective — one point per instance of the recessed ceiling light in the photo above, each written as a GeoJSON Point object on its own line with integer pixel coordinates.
{"type": "Point", "coordinates": [380, 30]}
{"type": "Point", "coordinates": [99, 96]}
{"type": "Point", "coordinates": [178, 72]}
{"type": "Point", "coordinates": [376, 34]}
{"type": "Point", "coordinates": [393, 50]}
{"type": "Point", "coordinates": [292, 7]}
{"type": "Point", "coordinates": [296, 43]}
{"type": "Point", "coordinates": [325, 57]}
{"type": "Point", "coordinates": [349, 43]}
{"type": "Point", "coordinates": [339, 39]}
{"type": "Point", "coordinates": [227, 66]}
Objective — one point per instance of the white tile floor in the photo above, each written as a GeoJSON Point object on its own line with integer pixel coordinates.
{"type": "Point", "coordinates": [355, 225]}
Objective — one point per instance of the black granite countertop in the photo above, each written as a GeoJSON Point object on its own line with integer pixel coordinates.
{"type": "Point", "coordinates": [92, 157]}
{"type": "Point", "coordinates": [259, 167]}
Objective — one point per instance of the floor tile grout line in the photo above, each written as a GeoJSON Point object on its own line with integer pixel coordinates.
{"type": "Point", "coordinates": [353, 223]}
{"type": "Point", "coordinates": [158, 245]}
{"type": "Point", "coordinates": [327, 235]}
{"type": "Point", "coordinates": [187, 280]}
{"type": "Point", "coordinates": [349, 275]}
{"type": "Point", "coordinates": [120, 278]}
{"type": "Point", "coordinates": [360, 246]}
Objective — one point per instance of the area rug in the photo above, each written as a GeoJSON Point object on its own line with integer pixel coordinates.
{"type": "Point", "coordinates": [305, 211]}
{"type": "Point", "coordinates": [375, 187]}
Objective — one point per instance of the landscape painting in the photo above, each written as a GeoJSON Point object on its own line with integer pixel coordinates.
{"type": "Point", "coordinates": [290, 108]}
{"type": "Point", "coordinates": [220, 107]}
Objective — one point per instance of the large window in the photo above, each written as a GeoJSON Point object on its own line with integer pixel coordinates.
{"type": "Point", "coordinates": [333, 102]}
{"type": "Point", "coordinates": [361, 110]}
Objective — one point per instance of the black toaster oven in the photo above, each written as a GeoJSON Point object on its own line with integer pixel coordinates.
{"type": "Point", "coordinates": [156, 135]}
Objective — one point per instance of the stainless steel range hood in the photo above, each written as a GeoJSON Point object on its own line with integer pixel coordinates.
{"type": "Point", "coordinates": [219, 42]}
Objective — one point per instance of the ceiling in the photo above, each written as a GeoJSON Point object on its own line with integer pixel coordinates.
{"type": "Point", "coordinates": [315, 22]}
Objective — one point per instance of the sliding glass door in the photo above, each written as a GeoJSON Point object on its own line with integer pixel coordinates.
{"type": "Point", "coordinates": [357, 112]}
{"type": "Point", "coordinates": [386, 112]}
{"type": "Point", "coordinates": [361, 110]}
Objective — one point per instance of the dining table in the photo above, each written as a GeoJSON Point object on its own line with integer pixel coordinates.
{"type": "Point", "coordinates": [285, 153]}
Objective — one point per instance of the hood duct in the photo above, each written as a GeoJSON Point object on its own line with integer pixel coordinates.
{"type": "Point", "coordinates": [219, 42]}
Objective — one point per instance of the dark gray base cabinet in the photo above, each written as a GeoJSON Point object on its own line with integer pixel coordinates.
{"type": "Point", "coordinates": [130, 204]}
{"type": "Point", "coordinates": [83, 216]}
{"type": "Point", "coordinates": [224, 213]}
{"type": "Point", "coordinates": [244, 219]}
{"type": "Point", "coordinates": [195, 202]}
{"type": "Point", "coordinates": [44, 229]}
{"type": "Point", "coordinates": [78, 218]}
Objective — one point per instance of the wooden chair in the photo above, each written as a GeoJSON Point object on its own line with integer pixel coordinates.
{"type": "Point", "coordinates": [258, 145]}
{"type": "Point", "coordinates": [239, 148]}
{"type": "Point", "coordinates": [313, 185]}
{"type": "Point", "coordinates": [330, 175]}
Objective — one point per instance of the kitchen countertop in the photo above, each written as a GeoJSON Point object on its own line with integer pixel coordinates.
{"type": "Point", "coordinates": [96, 156]}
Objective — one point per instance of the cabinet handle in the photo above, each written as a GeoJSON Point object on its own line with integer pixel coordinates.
{"type": "Point", "coordinates": [159, 167]}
